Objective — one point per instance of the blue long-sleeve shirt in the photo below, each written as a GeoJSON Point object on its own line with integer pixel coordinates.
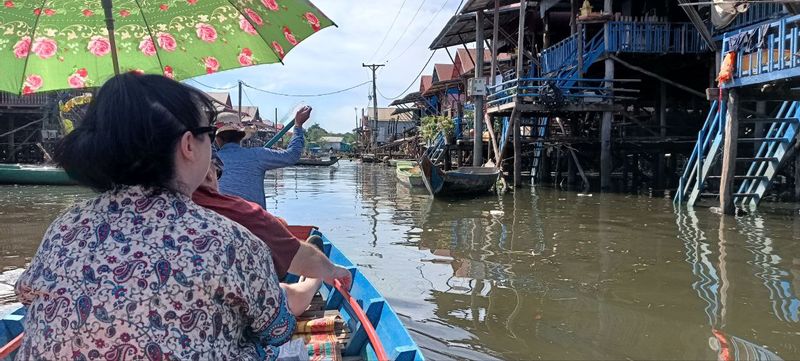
{"type": "Point", "coordinates": [245, 167]}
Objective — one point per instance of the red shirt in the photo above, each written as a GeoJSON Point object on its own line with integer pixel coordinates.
{"type": "Point", "coordinates": [265, 226]}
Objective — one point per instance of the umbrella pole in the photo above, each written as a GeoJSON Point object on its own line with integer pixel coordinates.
{"type": "Point", "coordinates": [108, 11]}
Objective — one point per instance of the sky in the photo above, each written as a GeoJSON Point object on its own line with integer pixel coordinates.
{"type": "Point", "coordinates": [331, 60]}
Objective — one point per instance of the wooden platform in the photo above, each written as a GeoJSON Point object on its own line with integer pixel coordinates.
{"type": "Point", "coordinates": [541, 109]}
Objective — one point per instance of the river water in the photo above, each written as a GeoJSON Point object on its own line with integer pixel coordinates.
{"type": "Point", "coordinates": [537, 274]}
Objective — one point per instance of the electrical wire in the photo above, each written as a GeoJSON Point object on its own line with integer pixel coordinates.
{"type": "Point", "coordinates": [405, 29]}
{"type": "Point", "coordinates": [307, 95]}
{"type": "Point", "coordinates": [388, 31]}
{"type": "Point", "coordinates": [413, 81]}
{"type": "Point", "coordinates": [212, 87]}
{"type": "Point", "coordinates": [424, 29]}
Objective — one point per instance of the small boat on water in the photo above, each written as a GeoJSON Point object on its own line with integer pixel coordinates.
{"type": "Point", "coordinates": [369, 158]}
{"type": "Point", "coordinates": [30, 174]}
{"type": "Point", "coordinates": [374, 332]}
{"type": "Point", "coordinates": [464, 181]}
{"type": "Point", "coordinates": [318, 161]}
{"type": "Point", "coordinates": [409, 174]}
{"type": "Point", "coordinates": [395, 162]}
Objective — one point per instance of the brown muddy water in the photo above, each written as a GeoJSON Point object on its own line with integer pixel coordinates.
{"type": "Point", "coordinates": [539, 274]}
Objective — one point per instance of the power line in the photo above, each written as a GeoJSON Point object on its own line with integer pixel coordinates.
{"type": "Point", "coordinates": [211, 87]}
{"type": "Point", "coordinates": [424, 29]}
{"type": "Point", "coordinates": [405, 30]}
{"type": "Point", "coordinates": [388, 31]}
{"type": "Point", "coordinates": [307, 95]}
{"type": "Point", "coordinates": [413, 81]}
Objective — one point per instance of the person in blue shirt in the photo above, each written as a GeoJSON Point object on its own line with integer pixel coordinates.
{"type": "Point", "coordinates": [245, 167]}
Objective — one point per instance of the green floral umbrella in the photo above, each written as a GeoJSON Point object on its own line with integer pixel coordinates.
{"type": "Point", "coordinates": [62, 44]}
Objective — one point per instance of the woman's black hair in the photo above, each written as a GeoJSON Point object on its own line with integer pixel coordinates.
{"type": "Point", "coordinates": [130, 131]}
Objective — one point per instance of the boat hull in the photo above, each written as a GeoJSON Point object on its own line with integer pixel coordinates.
{"type": "Point", "coordinates": [409, 175]}
{"type": "Point", "coordinates": [317, 162]}
{"type": "Point", "coordinates": [465, 181]}
{"type": "Point", "coordinates": [33, 175]}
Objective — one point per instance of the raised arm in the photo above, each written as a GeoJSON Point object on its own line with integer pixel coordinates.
{"type": "Point", "coordinates": [273, 158]}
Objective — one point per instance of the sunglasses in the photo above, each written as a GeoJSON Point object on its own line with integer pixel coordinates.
{"type": "Point", "coordinates": [210, 130]}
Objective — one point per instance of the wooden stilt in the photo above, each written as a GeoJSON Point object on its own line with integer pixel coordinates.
{"type": "Point", "coordinates": [523, 9]}
{"type": "Point", "coordinates": [797, 177]}
{"type": "Point", "coordinates": [729, 154]}
{"type": "Point", "coordinates": [477, 148]}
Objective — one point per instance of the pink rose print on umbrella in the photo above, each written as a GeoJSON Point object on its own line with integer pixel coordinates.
{"type": "Point", "coordinates": [87, 12]}
{"type": "Point", "coordinates": [22, 47]}
{"type": "Point", "coordinates": [312, 20]}
{"type": "Point", "coordinates": [147, 46]}
{"type": "Point", "coordinates": [49, 12]}
{"type": "Point", "coordinates": [278, 49]}
{"type": "Point", "coordinates": [206, 32]}
{"type": "Point", "coordinates": [270, 4]}
{"type": "Point", "coordinates": [246, 26]}
{"type": "Point", "coordinates": [191, 2]}
{"type": "Point", "coordinates": [168, 72]}
{"type": "Point", "coordinates": [289, 36]}
{"type": "Point", "coordinates": [44, 47]}
{"type": "Point", "coordinates": [254, 16]}
{"type": "Point", "coordinates": [124, 13]}
{"type": "Point", "coordinates": [246, 57]}
{"type": "Point", "coordinates": [211, 63]}
{"type": "Point", "coordinates": [166, 41]}
{"type": "Point", "coordinates": [37, 11]}
{"type": "Point", "coordinates": [163, 7]}
{"type": "Point", "coordinates": [9, 4]}
{"type": "Point", "coordinates": [78, 79]}
{"type": "Point", "coordinates": [32, 83]}
{"type": "Point", "coordinates": [99, 46]}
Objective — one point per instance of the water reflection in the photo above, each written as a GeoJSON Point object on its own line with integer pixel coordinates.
{"type": "Point", "coordinates": [713, 284]}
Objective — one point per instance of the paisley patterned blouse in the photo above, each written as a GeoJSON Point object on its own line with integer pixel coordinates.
{"type": "Point", "coordinates": [138, 274]}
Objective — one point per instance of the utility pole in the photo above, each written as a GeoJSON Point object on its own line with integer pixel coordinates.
{"type": "Point", "coordinates": [240, 100]}
{"type": "Point", "coordinates": [374, 68]}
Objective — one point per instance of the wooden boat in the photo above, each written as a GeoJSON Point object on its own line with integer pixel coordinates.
{"type": "Point", "coordinates": [369, 158]}
{"type": "Point", "coordinates": [409, 174]}
{"type": "Point", "coordinates": [318, 161]}
{"type": "Point", "coordinates": [462, 181]}
{"type": "Point", "coordinates": [395, 162]}
{"type": "Point", "coordinates": [33, 175]}
{"type": "Point", "coordinates": [374, 330]}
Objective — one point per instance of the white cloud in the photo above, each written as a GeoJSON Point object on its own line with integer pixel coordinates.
{"type": "Point", "coordinates": [331, 60]}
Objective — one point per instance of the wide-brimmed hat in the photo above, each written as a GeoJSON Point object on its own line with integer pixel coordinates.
{"type": "Point", "coordinates": [227, 122]}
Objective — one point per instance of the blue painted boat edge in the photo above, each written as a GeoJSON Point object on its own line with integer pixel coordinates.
{"type": "Point", "coordinates": [11, 318]}
{"type": "Point", "coordinates": [397, 342]}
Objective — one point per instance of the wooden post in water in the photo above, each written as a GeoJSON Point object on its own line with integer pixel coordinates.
{"type": "Point", "coordinates": [797, 177]}
{"type": "Point", "coordinates": [477, 145]}
{"type": "Point", "coordinates": [662, 121]}
{"type": "Point", "coordinates": [523, 7]}
{"type": "Point", "coordinates": [729, 154]}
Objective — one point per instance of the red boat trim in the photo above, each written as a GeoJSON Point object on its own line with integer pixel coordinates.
{"type": "Point", "coordinates": [301, 232]}
{"type": "Point", "coordinates": [12, 346]}
{"type": "Point", "coordinates": [362, 317]}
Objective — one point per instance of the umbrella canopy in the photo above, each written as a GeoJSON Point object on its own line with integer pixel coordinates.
{"type": "Point", "coordinates": [61, 44]}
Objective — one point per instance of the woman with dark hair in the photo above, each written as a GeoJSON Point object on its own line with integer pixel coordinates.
{"type": "Point", "coordinates": [140, 271]}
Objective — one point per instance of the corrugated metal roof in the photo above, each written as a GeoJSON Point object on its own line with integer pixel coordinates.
{"type": "Point", "coordinates": [460, 29]}
{"type": "Point", "coordinates": [474, 5]}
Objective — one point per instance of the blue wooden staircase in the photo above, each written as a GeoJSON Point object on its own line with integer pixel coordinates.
{"type": "Point", "coordinates": [701, 176]}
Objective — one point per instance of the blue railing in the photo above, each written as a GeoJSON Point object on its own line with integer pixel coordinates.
{"type": "Point", "coordinates": [654, 38]}
{"type": "Point", "coordinates": [696, 171]}
{"type": "Point", "coordinates": [561, 54]}
{"type": "Point", "coordinates": [756, 13]}
{"type": "Point", "coordinates": [776, 59]}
